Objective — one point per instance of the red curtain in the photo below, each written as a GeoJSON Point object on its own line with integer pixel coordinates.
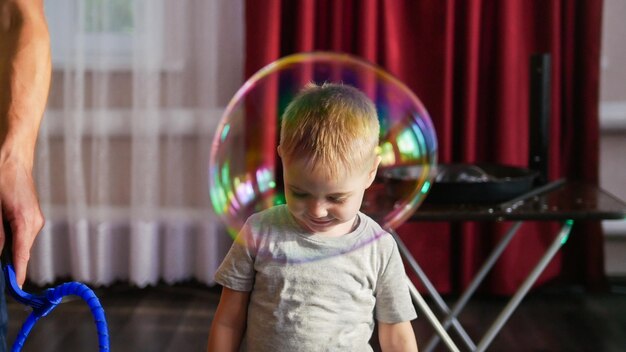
{"type": "Point", "coordinates": [468, 61]}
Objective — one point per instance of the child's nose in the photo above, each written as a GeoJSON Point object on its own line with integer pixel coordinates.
{"type": "Point", "coordinates": [317, 209]}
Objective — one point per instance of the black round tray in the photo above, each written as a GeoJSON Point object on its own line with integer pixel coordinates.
{"type": "Point", "coordinates": [471, 183]}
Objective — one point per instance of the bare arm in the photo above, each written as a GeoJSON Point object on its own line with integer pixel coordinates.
{"type": "Point", "coordinates": [397, 337]}
{"type": "Point", "coordinates": [229, 322]}
{"type": "Point", "coordinates": [25, 70]}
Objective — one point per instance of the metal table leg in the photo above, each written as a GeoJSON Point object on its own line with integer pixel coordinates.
{"type": "Point", "coordinates": [473, 286]}
{"type": "Point", "coordinates": [434, 294]}
{"type": "Point", "coordinates": [506, 312]}
{"type": "Point", "coordinates": [423, 306]}
{"type": "Point", "coordinates": [493, 330]}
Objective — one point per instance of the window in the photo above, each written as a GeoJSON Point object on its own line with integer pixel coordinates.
{"type": "Point", "coordinates": [613, 74]}
{"type": "Point", "coordinates": [101, 34]}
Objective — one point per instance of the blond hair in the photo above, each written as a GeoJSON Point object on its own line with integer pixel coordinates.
{"type": "Point", "coordinates": [333, 126]}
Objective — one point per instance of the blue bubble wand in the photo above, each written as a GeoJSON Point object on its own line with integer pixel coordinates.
{"type": "Point", "coordinates": [43, 303]}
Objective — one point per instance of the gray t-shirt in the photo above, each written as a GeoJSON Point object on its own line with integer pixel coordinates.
{"type": "Point", "coordinates": [311, 292]}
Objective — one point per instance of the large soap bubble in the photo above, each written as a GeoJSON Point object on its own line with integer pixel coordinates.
{"type": "Point", "coordinates": [245, 173]}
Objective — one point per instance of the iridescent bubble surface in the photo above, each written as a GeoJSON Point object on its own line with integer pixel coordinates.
{"type": "Point", "coordinates": [245, 173]}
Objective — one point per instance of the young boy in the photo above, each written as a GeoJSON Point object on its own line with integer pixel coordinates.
{"type": "Point", "coordinates": [312, 275]}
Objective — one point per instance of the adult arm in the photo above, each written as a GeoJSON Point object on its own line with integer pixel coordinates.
{"type": "Point", "coordinates": [229, 322]}
{"type": "Point", "coordinates": [397, 337]}
{"type": "Point", "coordinates": [25, 71]}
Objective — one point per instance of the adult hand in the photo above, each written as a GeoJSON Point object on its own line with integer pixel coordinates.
{"type": "Point", "coordinates": [25, 70]}
{"type": "Point", "coordinates": [20, 210]}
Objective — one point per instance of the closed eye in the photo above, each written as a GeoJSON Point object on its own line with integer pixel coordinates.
{"type": "Point", "coordinates": [337, 200]}
{"type": "Point", "coordinates": [299, 194]}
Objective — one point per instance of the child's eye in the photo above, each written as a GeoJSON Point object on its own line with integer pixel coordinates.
{"type": "Point", "coordinates": [298, 194]}
{"type": "Point", "coordinates": [336, 200]}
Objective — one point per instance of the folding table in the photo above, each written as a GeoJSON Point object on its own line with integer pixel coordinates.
{"type": "Point", "coordinates": [562, 201]}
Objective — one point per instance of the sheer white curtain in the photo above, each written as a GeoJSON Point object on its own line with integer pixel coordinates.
{"type": "Point", "coordinates": [138, 89]}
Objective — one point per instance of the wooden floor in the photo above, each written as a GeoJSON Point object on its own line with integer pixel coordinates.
{"type": "Point", "coordinates": [177, 318]}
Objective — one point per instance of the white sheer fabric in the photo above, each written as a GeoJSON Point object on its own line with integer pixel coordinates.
{"type": "Point", "coordinates": [138, 89]}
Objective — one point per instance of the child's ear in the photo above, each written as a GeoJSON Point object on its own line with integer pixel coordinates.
{"type": "Point", "coordinates": [280, 151]}
{"type": "Point", "coordinates": [372, 173]}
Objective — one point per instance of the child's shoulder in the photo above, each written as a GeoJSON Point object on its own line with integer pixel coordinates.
{"type": "Point", "coordinates": [372, 224]}
{"type": "Point", "coordinates": [275, 215]}
{"type": "Point", "coordinates": [271, 212]}
{"type": "Point", "coordinates": [377, 231]}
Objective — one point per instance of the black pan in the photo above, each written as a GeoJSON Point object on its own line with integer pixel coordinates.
{"type": "Point", "coordinates": [470, 183]}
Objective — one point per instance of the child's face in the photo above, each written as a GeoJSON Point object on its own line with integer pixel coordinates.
{"type": "Point", "coordinates": [321, 205]}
